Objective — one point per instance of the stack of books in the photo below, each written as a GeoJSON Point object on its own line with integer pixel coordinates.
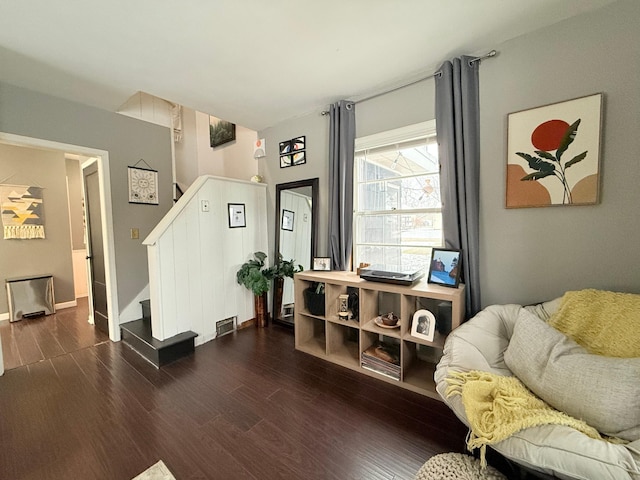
{"type": "Point", "coordinates": [383, 358]}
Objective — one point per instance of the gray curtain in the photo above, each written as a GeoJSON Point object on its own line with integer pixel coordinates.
{"type": "Point", "coordinates": [457, 125]}
{"type": "Point", "coordinates": [341, 151]}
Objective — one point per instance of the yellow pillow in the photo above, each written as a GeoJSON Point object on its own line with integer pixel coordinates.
{"type": "Point", "coordinates": [605, 323]}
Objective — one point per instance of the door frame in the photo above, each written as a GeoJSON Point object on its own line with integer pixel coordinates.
{"type": "Point", "coordinates": [102, 157]}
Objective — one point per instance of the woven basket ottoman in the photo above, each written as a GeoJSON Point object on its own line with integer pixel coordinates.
{"type": "Point", "coordinates": [456, 466]}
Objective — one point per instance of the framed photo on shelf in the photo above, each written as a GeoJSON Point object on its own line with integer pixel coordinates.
{"type": "Point", "coordinates": [423, 325]}
{"type": "Point", "coordinates": [287, 220]}
{"type": "Point", "coordinates": [322, 263]}
{"type": "Point", "coordinates": [444, 268]}
{"type": "Point", "coordinates": [237, 217]}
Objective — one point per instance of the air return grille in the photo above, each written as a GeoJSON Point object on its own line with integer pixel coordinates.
{"type": "Point", "coordinates": [225, 326]}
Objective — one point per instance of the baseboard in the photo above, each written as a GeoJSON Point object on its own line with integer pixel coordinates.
{"type": "Point", "coordinates": [63, 305]}
{"type": "Point", "coordinates": [247, 323]}
{"type": "Point", "coordinates": [4, 316]}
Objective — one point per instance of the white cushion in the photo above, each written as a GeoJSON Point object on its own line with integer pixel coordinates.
{"type": "Point", "coordinates": [602, 391]}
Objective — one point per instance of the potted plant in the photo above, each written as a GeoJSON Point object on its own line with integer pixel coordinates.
{"type": "Point", "coordinates": [282, 269]}
{"type": "Point", "coordinates": [254, 276]}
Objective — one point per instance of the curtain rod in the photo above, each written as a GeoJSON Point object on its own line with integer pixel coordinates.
{"type": "Point", "coordinates": [492, 53]}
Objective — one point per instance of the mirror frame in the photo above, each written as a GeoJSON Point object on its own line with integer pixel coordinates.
{"type": "Point", "coordinates": [314, 183]}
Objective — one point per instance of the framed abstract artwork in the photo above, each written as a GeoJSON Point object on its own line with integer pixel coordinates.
{"type": "Point", "coordinates": [553, 154]}
{"type": "Point", "coordinates": [293, 152]}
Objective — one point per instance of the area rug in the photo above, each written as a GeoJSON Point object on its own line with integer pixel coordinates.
{"type": "Point", "coordinates": [456, 466]}
{"type": "Point", "coordinates": [159, 471]}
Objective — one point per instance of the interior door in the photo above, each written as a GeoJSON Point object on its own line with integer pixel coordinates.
{"type": "Point", "coordinates": [95, 248]}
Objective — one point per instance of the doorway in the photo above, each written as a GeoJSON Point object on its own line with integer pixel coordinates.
{"type": "Point", "coordinates": [101, 190]}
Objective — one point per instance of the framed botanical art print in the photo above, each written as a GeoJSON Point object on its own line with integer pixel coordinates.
{"type": "Point", "coordinates": [553, 154]}
{"type": "Point", "coordinates": [143, 186]}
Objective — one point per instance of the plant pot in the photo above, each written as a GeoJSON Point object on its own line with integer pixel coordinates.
{"type": "Point", "coordinates": [262, 312]}
{"type": "Point", "coordinates": [314, 302]}
{"type": "Point", "coordinates": [278, 289]}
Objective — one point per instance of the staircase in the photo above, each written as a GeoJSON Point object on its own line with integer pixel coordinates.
{"type": "Point", "coordinates": [137, 335]}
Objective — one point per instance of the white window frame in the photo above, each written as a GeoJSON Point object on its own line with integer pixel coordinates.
{"type": "Point", "coordinates": [399, 135]}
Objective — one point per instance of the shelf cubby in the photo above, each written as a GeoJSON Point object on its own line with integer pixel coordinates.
{"type": "Point", "coordinates": [342, 345]}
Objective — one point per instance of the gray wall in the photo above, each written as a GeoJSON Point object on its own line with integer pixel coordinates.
{"type": "Point", "coordinates": [24, 112]}
{"type": "Point", "coordinates": [46, 169]}
{"type": "Point", "coordinates": [527, 255]}
{"type": "Point", "coordinates": [74, 187]}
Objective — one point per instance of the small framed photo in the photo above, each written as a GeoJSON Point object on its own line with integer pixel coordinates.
{"type": "Point", "coordinates": [321, 263]}
{"type": "Point", "coordinates": [237, 217]}
{"type": "Point", "coordinates": [287, 220]}
{"type": "Point", "coordinates": [423, 325]}
{"type": "Point", "coordinates": [444, 268]}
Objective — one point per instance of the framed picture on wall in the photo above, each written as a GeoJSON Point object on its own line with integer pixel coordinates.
{"type": "Point", "coordinates": [287, 220]}
{"type": "Point", "coordinates": [237, 217]}
{"type": "Point", "coordinates": [553, 154]}
{"type": "Point", "coordinates": [444, 268]}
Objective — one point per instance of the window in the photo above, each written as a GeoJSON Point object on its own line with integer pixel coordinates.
{"type": "Point", "coordinates": [398, 208]}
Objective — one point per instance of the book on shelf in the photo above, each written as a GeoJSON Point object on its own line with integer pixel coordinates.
{"type": "Point", "coordinates": [382, 358]}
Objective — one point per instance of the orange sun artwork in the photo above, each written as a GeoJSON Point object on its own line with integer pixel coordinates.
{"type": "Point", "coordinates": [553, 154]}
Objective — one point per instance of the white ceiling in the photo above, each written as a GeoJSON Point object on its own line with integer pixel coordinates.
{"type": "Point", "coordinates": [252, 62]}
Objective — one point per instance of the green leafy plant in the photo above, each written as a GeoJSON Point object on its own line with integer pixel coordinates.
{"type": "Point", "coordinates": [284, 268]}
{"type": "Point", "coordinates": [548, 136]}
{"type": "Point", "coordinates": [254, 276]}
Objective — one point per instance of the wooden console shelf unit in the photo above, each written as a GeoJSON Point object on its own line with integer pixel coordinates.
{"type": "Point", "coordinates": [343, 341]}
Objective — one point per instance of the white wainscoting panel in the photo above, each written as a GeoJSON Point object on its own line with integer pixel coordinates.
{"type": "Point", "coordinates": [194, 257]}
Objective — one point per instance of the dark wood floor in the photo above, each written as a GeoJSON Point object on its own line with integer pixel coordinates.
{"type": "Point", "coordinates": [244, 406]}
{"type": "Point", "coordinates": [33, 340]}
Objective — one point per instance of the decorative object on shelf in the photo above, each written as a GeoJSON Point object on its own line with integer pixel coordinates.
{"type": "Point", "coordinates": [343, 306]}
{"type": "Point", "coordinates": [287, 220]}
{"type": "Point", "coordinates": [423, 325]}
{"type": "Point", "coordinates": [384, 322]}
{"type": "Point", "coordinates": [444, 268]}
{"type": "Point", "coordinates": [322, 263]}
{"type": "Point", "coordinates": [22, 209]}
{"type": "Point", "coordinates": [292, 152]}
{"type": "Point", "coordinates": [314, 299]}
{"type": "Point", "coordinates": [143, 184]}
{"type": "Point", "coordinates": [221, 131]}
{"type": "Point", "coordinates": [256, 179]}
{"type": "Point", "coordinates": [259, 148]}
{"type": "Point", "coordinates": [237, 217]}
{"type": "Point", "coordinates": [382, 358]}
{"type": "Point", "coordinates": [389, 319]}
{"type": "Point", "coordinates": [254, 276]}
{"type": "Point", "coordinates": [553, 154]}
{"type": "Point", "coordinates": [361, 266]}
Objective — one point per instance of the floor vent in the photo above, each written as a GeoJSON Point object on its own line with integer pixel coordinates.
{"type": "Point", "coordinates": [225, 326]}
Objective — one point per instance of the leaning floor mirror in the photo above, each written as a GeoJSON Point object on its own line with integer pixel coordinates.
{"type": "Point", "coordinates": [296, 221]}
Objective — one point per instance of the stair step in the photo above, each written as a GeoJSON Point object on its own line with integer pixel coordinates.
{"type": "Point", "coordinates": [137, 335]}
{"type": "Point", "coordinates": [146, 309]}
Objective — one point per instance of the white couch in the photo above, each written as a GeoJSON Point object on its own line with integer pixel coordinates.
{"type": "Point", "coordinates": [555, 450]}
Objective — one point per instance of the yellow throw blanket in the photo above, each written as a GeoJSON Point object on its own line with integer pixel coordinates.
{"type": "Point", "coordinates": [498, 406]}
{"type": "Point", "coordinates": [605, 323]}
